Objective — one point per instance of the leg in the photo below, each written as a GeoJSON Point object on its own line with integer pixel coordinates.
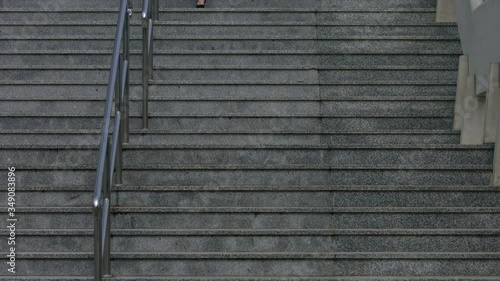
{"type": "Point", "coordinates": [200, 4]}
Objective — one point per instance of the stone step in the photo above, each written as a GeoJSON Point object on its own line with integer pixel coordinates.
{"type": "Point", "coordinates": [97, 92]}
{"type": "Point", "coordinates": [267, 264]}
{"type": "Point", "coordinates": [262, 241]}
{"type": "Point", "coordinates": [323, 46]}
{"type": "Point", "coordinates": [56, 5]}
{"type": "Point", "coordinates": [216, 175]}
{"type": "Point", "coordinates": [229, 15]}
{"type": "Point", "coordinates": [264, 218]}
{"type": "Point", "coordinates": [248, 137]}
{"type": "Point", "coordinates": [75, 156]}
{"type": "Point", "coordinates": [224, 93]}
{"type": "Point", "coordinates": [240, 4]}
{"type": "Point", "coordinates": [299, 124]}
{"type": "Point", "coordinates": [315, 4]}
{"type": "Point", "coordinates": [264, 196]}
{"type": "Point", "coordinates": [321, 19]}
{"type": "Point", "coordinates": [246, 278]}
{"type": "Point", "coordinates": [255, 108]}
{"type": "Point", "coordinates": [292, 30]}
{"type": "Point", "coordinates": [237, 76]}
{"type": "Point", "coordinates": [274, 76]}
{"type": "Point", "coordinates": [239, 59]}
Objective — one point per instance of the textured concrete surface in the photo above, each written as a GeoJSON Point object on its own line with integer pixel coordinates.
{"type": "Point", "coordinates": [310, 140]}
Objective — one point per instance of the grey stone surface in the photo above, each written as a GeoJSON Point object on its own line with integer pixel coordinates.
{"type": "Point", "coordinates": [264, 244]}
{"type": "Point", "coordinates": [445, 11]}
{"type": "Point", "coordinates": [298, 174]}
{"type": "Point", "coordinates": [414, 32]}
{"type": "Point", "coordinates": [304, 197]}
{"type": "Point", "coordinates": [246, 108]}
{"type": "Point", "coordinates": [245, 278]}
{"type": "Point", "coordinates": [75, 156]}
{"type": "Point", "coordinates": [310, 140]}
{"type": "Point", "coordinates": [83, 137]}
{"type": "Point", "coordinates": [269, 124]}
{"type": "Point", "coordinates": [237, 44]}
{"type": "Point", "coordinates": [232, 265]}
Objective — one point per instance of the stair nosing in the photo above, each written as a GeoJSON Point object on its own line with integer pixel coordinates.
{"type": "Point", "coordinates": [224, 9]}
{"type": "Point", "coordinates": [225, 23]}
{"type": "Point", "coordinates": [129, 147]}
{"type": "Point", "coordinates": [269, 210]}
{"type": "Point", "coordinates": [225, 132]}
{"type": "Point", "coordinates": [272, 188]}
{"type": "Point", "coordinates": [262, 232]}
{"type": "Point", "coordinates": [268, 255]}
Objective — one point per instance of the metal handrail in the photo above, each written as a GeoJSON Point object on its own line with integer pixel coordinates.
{"type": "Point", "coordinates": [110, 150]}
{"type": "Point", "coordinates": [150, 12]}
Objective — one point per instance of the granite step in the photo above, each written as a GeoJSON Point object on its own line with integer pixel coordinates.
{"type": "Point", "coordinates": [276, 264]}
{"type": "Point", "coordinates": [246, 278]}
{"type": "Point", "coordinates": [240, 4]}
{"type": "Point", "coordinates": [298, 174]}
{"type": "Point", "coordinates": [229, 29]}
{"type": "Point", "coordinates": [223, 93]}
{"type": "Point", "coordinates": [300, 124]}
{"type": "Point", "coordinates": [236, 59]}
{"type": "Point", "coordinates": [265, 217]}
{"type": "Point", "coordinates": [247, 108]}
{"type": "Point", "coordinates": [238, 77]}
{"type": "Point", "coordinates": [265, 241]}
{"type": "Point", "coordinates": [224, 14]}
{"type": "Point", "coordinates": [264, 196]}
{"type": "Point", "coordinates": [275, 43]}
{"type": "Point", "coordinates": [234, 137]}
{"type": "Point", "coordinates": [338, 155]}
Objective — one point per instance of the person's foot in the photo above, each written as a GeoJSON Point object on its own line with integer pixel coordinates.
{"type": "Point", "coordinates": [200, 4]}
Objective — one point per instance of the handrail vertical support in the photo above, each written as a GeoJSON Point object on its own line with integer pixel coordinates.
{"type": "Point", "coordinates": [145, 74]}
{"type": "Point", "coordinates": [119, 160]}
{"type": "Point", "coordinates": [106, 269]}
{"type": "Point", "coordinates": [118, 84]}
{"type": "Point", "coordinates": [156, 10]}
{"type": "Point", "coordinates": [126, 90]}
{"type": "Point", "coordinates": [150, 49]}
{"type": "Point", "coordinates": [97, 244]}
{"type": "Point", "coordinates": [105, 243]}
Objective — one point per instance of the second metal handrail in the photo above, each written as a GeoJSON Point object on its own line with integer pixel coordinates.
{"type": "Point", "coordinates": [150, 12]}
{"type": "Point", "coordinates": [109, 166]}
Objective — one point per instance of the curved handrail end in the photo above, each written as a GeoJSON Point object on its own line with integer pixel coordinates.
{"type": "Point", "coordinates": [145, 9]}
{"type": "Point", "coordinates": [96, 202]}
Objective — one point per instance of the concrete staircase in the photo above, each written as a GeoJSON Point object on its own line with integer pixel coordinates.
{"type": "Point", "coordinates": [289, 140]}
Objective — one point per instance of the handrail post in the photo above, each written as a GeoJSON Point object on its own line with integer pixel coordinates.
{"type": "Point", "coordinates": [145, 72]}
{"type": "Point", "coordinates": [97, 244]}
{"type": "Point", "coordinates": [156, 10]}
{"type": "Point", "coordinates": [150, 49]}
{"type": "Point", "coordinates": [126, 58]}
{"type": "Point", "coordinates": [105, 236]}
{"type": "Point", "coordinates": [119, 100]}
{"type": "Point", "coordinates": [119, 157]}
{"type": "Point", "coordinates": [118, 84]}
{"type": "Point", "coordinates": [117, 91]}
{"type": "Point", "coordinates": [121, 132]}
{"type": "Point", "coordinates": [106, 270]}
